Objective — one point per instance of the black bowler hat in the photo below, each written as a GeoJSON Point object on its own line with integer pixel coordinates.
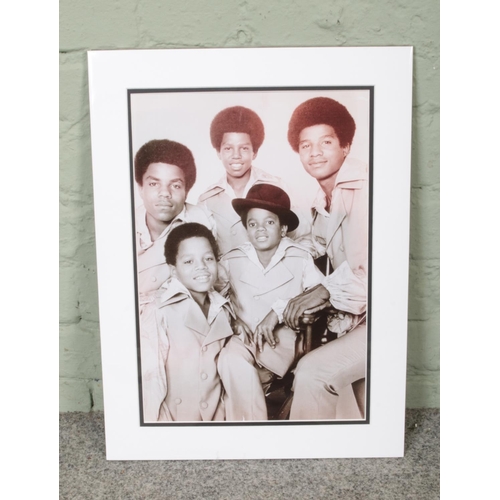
{"type": "Point", "coordinates": [268, 197]}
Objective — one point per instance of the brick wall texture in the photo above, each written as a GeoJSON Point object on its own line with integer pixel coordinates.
{"type": "Point", "coordinates": [137, 24]}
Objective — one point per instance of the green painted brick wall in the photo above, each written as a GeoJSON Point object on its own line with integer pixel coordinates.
{"type": "Point", "coordinates": [128, 24]}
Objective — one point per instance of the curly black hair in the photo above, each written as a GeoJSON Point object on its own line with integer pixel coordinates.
{"type": "Point", "coordinates": [183, 232]}
{"type": "Point", "coordinates": [237, 119]}
{"type": "Point", "coordinates": [321, 111]}
{"type": "Point", "coordinates": [169, 152]}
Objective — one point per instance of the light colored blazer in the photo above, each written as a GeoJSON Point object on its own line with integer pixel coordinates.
{"type": "Point", "coordinates": [179, 352]}
{"type": "Point", "coordinates": [254, 291]}
{"type": "Point", "coordinates": [343, 235]}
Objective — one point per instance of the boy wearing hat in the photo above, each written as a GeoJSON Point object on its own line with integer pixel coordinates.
{"type": "Point", "coordinates": [263, 274]}
{"type": "Point", "coordinates": [165, 171]}
{"type": "Point", "coordinates": [237, 133]}
{"type": "Point", "coordinates": [321, 131]}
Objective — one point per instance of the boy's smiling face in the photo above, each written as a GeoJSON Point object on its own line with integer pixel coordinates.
{"type": "Point", "coordinates": [264, 229]}
{"type": "Point", "coordinates": [236, 154]}
{"type": "Point", "coordinates": [196, 265]}
{"type": "Point", "coordinates": [320, 151]}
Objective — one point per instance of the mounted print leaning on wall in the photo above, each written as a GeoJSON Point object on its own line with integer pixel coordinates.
{"type": "Point", "coordinates": [245, 256]}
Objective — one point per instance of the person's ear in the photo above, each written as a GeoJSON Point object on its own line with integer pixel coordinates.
{"type": "Point", "coordinates": [346, 150]}
{"type": "Point", "coordinates": [284, 230]}
{"type": "Point", "coordinates": [140, 189]}
{"type": "Point", "coordinates": [173, 271]}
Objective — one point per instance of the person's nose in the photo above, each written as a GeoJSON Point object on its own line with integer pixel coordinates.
{"type": "Point", "coordinates": [201, 264]}
{"type": "Point", "coordinates": [165, 192]}
{"type": "Point", "coordinates": [316, 150]}
{"type": "Point", "coordinates": [236, 153]}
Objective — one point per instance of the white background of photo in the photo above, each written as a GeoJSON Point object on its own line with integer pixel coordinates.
{"type": "Point", "coordinates": [111, 73]}
{"type": "Point", "coordinates": [185, 117]}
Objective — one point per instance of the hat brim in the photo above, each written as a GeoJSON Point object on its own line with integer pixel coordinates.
{"type": "Point", "coordinates": [286, 216]}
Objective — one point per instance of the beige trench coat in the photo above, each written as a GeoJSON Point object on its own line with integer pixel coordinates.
{"type": "Point", "coordinates": [254, 291]}
{"type": "Point", "coordinates": [179, 352]}
{"type": "Point", "coordinates": [343, 235]}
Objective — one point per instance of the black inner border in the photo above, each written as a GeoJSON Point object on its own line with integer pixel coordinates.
{"type": "Point", "coordinates": [371, 89]}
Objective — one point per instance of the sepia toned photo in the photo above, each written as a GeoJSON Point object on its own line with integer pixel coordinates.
{"type": "Point", "coordinates": [252, 246]}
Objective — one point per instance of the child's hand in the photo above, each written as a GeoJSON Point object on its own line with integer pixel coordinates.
{"type": "Point", "coordinates": [241, 329]}
{"type": "Point", "coordinates": [264, 331]}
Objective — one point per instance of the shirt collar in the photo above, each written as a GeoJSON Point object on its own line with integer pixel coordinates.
{"type": "Point", "coordinates": [251, 253]}
{"type": "Point", "coordinates": [351, 170]}
{"type": "Point", "coordinates": [256, 175]}
{"type": "Point", "coordinates": [142, 230]}
{"type": "Point", "coordinates": [319, 203]}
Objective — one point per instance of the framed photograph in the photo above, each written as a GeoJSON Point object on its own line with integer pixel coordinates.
{"type": "Point", "coordinates": [252, 234]}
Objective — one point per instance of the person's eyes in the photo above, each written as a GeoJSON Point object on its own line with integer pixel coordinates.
{"type": "Point", "coordinates": [210, 259]}
{"type": "Point", "coordinates": [327, 141]}
{"type": "Point", "coordinates": [251, 224]}
{"type": "Point", "coordinates": [304, 146]}
{"type": "Point", "coordinates": [153, 184]}
{"type": "Point", "coordinates": [177, 186]}
{"type": "Point", "coordinates": [188, 261]}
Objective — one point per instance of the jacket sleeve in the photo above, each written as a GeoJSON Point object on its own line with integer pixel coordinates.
{"type": "Point", "coordinates": [154, 352]}
{"type": "Point", "coordinates": [348, 289]}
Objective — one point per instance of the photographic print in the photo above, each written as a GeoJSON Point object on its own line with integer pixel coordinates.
{"type": "Point", "coordinates": [251, 250]}
{"type": "Point", "coordinates": [300, 157]}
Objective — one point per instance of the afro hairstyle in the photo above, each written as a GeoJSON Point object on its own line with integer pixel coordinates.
{"type": "Point", "coordinates": [169, 152]}
{"type": "Point", "coordinates": [240, 120]}
{"type": "Point", "coordinates": [321, 111]}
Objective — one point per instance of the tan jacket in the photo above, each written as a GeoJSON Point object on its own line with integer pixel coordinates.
{"type": "Point", "coordinates": [254, 291]}
{"type": "Point", "coordinates": [152, 269]}
{"type": "Point", "coordinates": [343, 235]}
{"type": "Point", "coordinates": [179, 352]}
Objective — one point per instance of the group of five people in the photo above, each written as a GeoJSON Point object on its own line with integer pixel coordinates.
{"type": "Point", "coordinates": [223, 284]}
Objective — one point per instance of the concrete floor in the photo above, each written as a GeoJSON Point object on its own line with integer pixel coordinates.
{"type": "Point", "coordinates": [85, 473]}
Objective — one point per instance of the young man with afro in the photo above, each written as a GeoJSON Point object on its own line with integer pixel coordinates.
{"type": "Point", "coordinates": [321, 131]}
{"type": "Point", "coordinates": [165, 171]}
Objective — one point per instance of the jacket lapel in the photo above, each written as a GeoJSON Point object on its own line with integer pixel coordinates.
{"type": "Point", "coordinates": [220, 208]}
{"type": "Point", "coordinates": [195, 320]}
{"type": "Point", "coordinates": [219, 329]}
{"type": "Point", "coordinates": [341, 206]}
